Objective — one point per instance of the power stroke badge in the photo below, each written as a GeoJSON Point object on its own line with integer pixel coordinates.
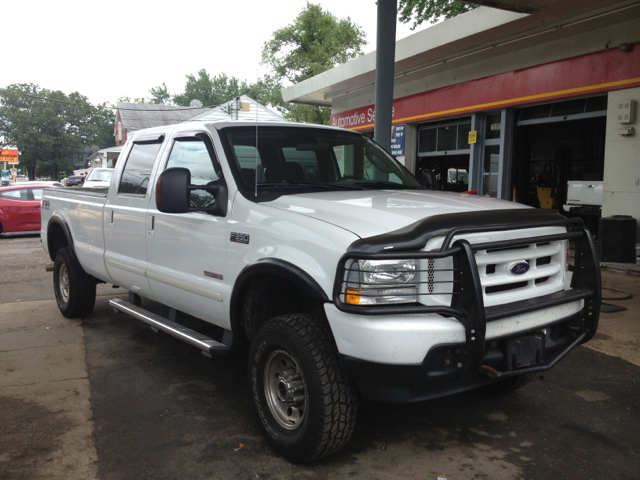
{"type": "Point", "coordinates": [239, 238]}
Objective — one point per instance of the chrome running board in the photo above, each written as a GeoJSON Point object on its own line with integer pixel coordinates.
{"type": "Point", "coordinates": [208, 345]}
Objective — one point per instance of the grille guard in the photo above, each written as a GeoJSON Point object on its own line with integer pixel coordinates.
{"type": "Point", "coordinates": [467, 304]}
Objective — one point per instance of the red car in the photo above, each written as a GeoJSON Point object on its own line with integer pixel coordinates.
{"type": "Point", "coordinates": [20, 208]}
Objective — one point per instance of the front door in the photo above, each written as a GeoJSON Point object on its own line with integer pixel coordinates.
{"type": "Point", "coordinates": [187, 252]}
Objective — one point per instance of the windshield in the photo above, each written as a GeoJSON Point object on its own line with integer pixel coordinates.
{"type": "Point", "coordinates": [293, 160]}
{"type": "Point", "coordinates": [100, 176]}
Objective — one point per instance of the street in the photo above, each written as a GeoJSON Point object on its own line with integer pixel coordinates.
{"type": "Point", "coordinates": [105, 397]}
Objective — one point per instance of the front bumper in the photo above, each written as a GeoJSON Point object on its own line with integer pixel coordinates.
{"type": "Point", "coordinates": [479, 355]}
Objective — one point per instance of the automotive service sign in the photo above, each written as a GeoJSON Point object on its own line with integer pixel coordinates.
{"type": "Point", "coordinates": [9, 156]}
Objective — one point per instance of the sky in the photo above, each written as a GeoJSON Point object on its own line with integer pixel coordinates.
{"type": "Point", "coordinates": [109, 50]}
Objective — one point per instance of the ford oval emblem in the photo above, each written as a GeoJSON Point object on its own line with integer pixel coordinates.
{"type": "Point", "coordinates": [519, 268]}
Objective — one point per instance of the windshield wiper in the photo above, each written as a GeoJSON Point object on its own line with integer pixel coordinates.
{"type": "Point", "coordinates": [392, 185]}
{"type": "Point", "coordinates": [324, 186]}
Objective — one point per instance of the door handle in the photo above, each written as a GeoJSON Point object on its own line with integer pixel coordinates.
{"type": "Point", "coordinates": [151, 226]}
{"type": "Point", "coordinates": [110, 225]}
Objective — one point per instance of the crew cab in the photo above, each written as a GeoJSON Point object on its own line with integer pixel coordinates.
{"type": "Point", "coordinates": [340, 271]}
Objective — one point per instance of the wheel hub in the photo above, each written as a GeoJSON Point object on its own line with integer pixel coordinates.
{"type": "Point", "coordinates": [284, 390]}
{"type": "Point", "coordinates": [63, 278]}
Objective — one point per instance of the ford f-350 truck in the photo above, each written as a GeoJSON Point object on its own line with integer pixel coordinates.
{"type": "Point", "coordinates": [342, 273]}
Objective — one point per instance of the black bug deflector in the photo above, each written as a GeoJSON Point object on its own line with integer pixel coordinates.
{"type": "Point", "coordinates": [467, 304]}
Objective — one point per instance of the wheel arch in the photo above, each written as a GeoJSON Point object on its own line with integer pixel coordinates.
{"type": "Point", "coordinates": [289, 277]}
{"type": "Point", "coordinates": [59, 236]}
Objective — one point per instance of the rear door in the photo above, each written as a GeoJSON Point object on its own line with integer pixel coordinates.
{"type": "Point", "coordinates": [125, 215]}
{"type": "Point", "coordinates": [187, 252]}
{"type": "Point", "coordinates": [16, 210]}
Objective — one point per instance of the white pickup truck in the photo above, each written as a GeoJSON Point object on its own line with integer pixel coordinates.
{"type": "Point", "coordinates": [343, 274]}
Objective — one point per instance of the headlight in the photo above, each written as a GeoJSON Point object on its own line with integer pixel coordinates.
{"type": "Point", "coordinates": [374, 282]}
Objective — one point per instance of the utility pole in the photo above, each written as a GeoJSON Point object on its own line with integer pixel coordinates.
{"type": "Point", "coordinates": [385, 62]}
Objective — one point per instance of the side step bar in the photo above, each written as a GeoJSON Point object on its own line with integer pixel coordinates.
{"type": "Point", "coordinates": [208, 345]}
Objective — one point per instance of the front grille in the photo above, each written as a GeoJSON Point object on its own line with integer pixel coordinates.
{"type": "Point", "coordinates": [499, 284]}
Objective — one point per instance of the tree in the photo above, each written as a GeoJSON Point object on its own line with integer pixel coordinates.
{"type": "Point", "coordinates": [433, 10]}
{"type": "Point", "coordinates": [211, 91]}
{"type": "Point", "coordinates": [48, 127]}
{"type": "Point", "coordinates": [315, 42]}
{"type": "Point", "coordinates": [101, 126]}
{"type": "Point", "coordinates": [160, 95]}
{"type": "Point", "coordinates": [126, 99]}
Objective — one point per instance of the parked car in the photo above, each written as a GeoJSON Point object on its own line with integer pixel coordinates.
{"type": "Point", "coordinates": [20, 208]}
{"type": "Point", "coordinates": [99, 177]}
{"type": "Point", "coordinates": [74, 180]}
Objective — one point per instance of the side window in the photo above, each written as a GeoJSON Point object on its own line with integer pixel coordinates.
{"type": "Point", "coordinates": [20, 194]}
{"type": "Point", "coordinates": [37, 193]}
{"type": "Point", "coordinates": [135, 177]}
{"type": "Point", "coordinates": [193, 155]}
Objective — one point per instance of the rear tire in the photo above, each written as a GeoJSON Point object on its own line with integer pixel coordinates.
{"type": "Point", "coordinates": [508, 384]}
{"type": "Point", "coordinates": [306, 405]}
{"type": "Point", "coordinates": [75, 289]}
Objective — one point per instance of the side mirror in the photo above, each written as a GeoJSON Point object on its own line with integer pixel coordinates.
{"type": "Point", "coordinates": [172, 190]}
{"type": "Point", "coordinates": [173, 193]}
{"type": "Point", "coordinates": [427, 179]}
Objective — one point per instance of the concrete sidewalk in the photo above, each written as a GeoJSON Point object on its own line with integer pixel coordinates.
{"type": "Point", "coordinates": [619, 333]}
{"type": "Point", "coordinates": [45, 408]}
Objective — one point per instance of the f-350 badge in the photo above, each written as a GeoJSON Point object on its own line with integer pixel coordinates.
{"type": "Point", "coordinates": [239, 238]}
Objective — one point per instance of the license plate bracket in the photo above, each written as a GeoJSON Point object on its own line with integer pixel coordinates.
{"type": "Point", "coordinates": [525, 351]}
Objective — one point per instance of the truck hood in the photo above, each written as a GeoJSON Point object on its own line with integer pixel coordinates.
{"type": "Point", "coordinates": [369, 213]}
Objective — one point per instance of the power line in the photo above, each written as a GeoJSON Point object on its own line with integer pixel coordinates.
{"type": "Point", "coordinates": [172, 109]}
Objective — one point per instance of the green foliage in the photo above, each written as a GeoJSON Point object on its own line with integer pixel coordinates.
{"type": "Point", "coordinates": [160, 95]}
{"type": "Point", "coordinates": [315, 42]}
{"type": "Point", "coordinates": [126, 99]}
{"type": "Point", "coordinates": [48, 126]}
{"type": "Point", "coordinates": [433, 10]}
{"type": "Point", "coordinates": [101, 127]}
{"type": "Point", "coordinates": [211, 91]}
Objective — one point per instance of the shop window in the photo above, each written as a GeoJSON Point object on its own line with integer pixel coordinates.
{"type": "Point", "coordinates": [428, 140]}
{"type": "Point", "coordinates": [535, 112]}
{"type": "Point", "coordinates": [463, 136]}
{"type": "Point", "coordinates": [491, 170]}
{"type": "Point", "coordinates": [571, 107]}
{"type": "Point", "coordinates": [493, 126]}
{"type": "Point", "coordinates": [447, 137]}
{"type": "Point", "coordinates": [553, 112]}
{"type": "Point", "coordinates": [597, 104]}
{"type": "Point", "coordinates": [444, 138]}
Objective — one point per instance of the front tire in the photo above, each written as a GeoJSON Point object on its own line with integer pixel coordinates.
{"type": "Point", "coordinates": [75, 289]}
{"type": "Point", "coordinates": [305, 403]}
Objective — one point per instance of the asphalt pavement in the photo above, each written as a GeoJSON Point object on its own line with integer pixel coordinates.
{"type": "Point", "coordinates": [105, 397]}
